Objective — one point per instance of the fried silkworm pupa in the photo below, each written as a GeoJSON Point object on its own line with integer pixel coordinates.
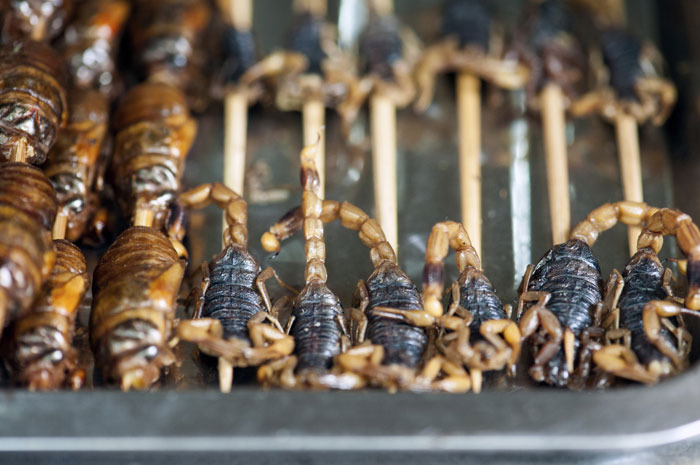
{"type": "Point", "coordinates": [91, 42]}
{"type": "Point", "coordinates": [562, 300]}
{"type": "Point", "coordinates": [387, 322]}
{"type": "Point", "coordinates": [154, 135]}
{"type": "Point", "coordinates": [41, 355]}
{"type": "Point", "coordinates": [466, 45]}
{"type": "Point", "coordinates": [135, 290]}
{"type": "Point", "coordinates": [72, 164]}
{"type": "Point", "coordinates": [32, 100]}
{"type": "Point", "coordinates": [317, 322]}
{"type": "Point", "coordinates": [232, 304]}
{"type": "Point", "coordinates": [643, 317]}
{"type": "Point", "coordinates": [168, 37]}
{"type": "Point", "coordinates": [27, 212]}
{"type": "Point", "coordinates": [39, 20]}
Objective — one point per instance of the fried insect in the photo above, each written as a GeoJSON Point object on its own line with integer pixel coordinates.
{"type": "Point", "coordinates": [233, 303]}
{"type": "Point", "coordinates": [154, 134]}
{"type": "Point", "coordinates": [387, 321]}
{"type": "Point", "coordinates": [469, 44]}
{"type": "Point", "coordinates": [168, 36]}
{"type": "Point", "coordinates": [73, 162]}
{"type": "Point", "coordinates": [388, 53]}
{"type": "Point", "coordinates": [644, 316]}
{"type": "Point", "coordinates": [547, 46]}
{"type": "Point", "coordinates": [317, 322]}
{"type": "Point", "coordinates": [635, 86]}
{"type": "Point", "coordinates": [566, 287]}
{"type": "Point", "coordinates": [135, 290]}
{"type": "Point", "coordinates": [41, 352]}
{"type": "Point", "coordinates": [39, 20]}
{"type": "Point", "coordinates": [27, 211]}
{"type": "Point", "coordinates": [91, 42]}
{"type": "Point", "coordinates": [32, 101]}
{"type": "Point", "coordinates": [312, 68]}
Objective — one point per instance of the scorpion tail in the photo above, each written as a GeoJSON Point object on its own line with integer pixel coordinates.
{"type": "Point", "coordinates": [235, 209]}
{"type": "Point", "coordinates": [311, 207]}
{"type": "Point", "coordinates": [608, 215]}
{"type": "Point", "coordinates": [444, 235]}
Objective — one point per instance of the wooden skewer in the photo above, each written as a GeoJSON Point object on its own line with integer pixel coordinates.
{"type": "Point", "coordinates": [383, 122]}
{"type": "Point", "coordinates": [59, 226]}
{"type": "Point", "coordinates": [469, 120]}
{"type": "Point", "coordinates": [314, 116]}
{"type": "Point", "coordinates": [630, 167]}
{"type": "Point", "coordinates": [554, 125]}
{"type": "Point", "coordinates": [20, 152]}
{"type": "Point", "coordinates": [143, 217]}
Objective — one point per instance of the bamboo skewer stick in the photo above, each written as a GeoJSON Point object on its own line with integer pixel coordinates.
{"type": "Point", "coordinates": [314, 120]}
{"type": "Point", "coordinates": [59, 226]}
{"type": "Point", "coordinates": [469, 121]}
{"type": "Point", "coordinates": [554, 125]}
{"type": "Point", "coordinates": [143, 217]}
{"type": "Point", "coordinates": [383, 131]}
{"type": "Point", "coordinates": [630, 167]}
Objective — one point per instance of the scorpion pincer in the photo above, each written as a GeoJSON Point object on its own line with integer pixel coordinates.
{"type": "Point", "coordinates": [317, 322]}
{"type": "Point", "coordinates": [643, 315]}
{"type": "Point", "coordinates": [41, 355]}
{"type": "Point", "coordinates": [566, 287]}
{"type": "Point", "coordinates": [468, 44]}
{"type": "Point", "coordinates": [388, 314]}
{"type": "Point", "coordinates": [233, 302]}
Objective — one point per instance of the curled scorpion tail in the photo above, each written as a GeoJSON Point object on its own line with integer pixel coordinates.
{"type": "Point", "coordinates": [608, 215]}
{"type": "Point", "coordinates": [311, 207]}
{"type": "Point", "coordinates": [235, 209]}
{"type": "Point", "coordinates": [444, 234]}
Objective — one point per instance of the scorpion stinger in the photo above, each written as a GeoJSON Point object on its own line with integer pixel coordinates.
{"type": "Point", "coordinates": [234, 319]}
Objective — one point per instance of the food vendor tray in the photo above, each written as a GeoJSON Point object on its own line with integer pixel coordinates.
{"type": "Point", "coordinates": [188, 415]}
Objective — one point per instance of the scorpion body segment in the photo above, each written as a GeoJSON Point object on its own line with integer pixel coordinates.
{"type": "Point", "coordinates": [306, 39]}
{"type": "Point", "coordinates": [469, 21]}
{"type": "Point", "coordinates": [27, 211]}
{"type": "Point", "coordinates": [381, 47]}
{"type": "Point", "coordinates": [239, 52]}
{"type": "Point", "coordinates": [72, 164]}
{"type": "Point", "coordinates": [621, 52]}
{"type": "Point", "coordinates": [154, 134]}
{"type": "Point", "coordinates": [39, 20]}
{"type": "Point", "coordinates": [41, 351]}
{"type": "Point", "coordinates": [135, 288]}
{"type": "Point", "coordinates": [32, 101]}
{"type": "Point", "coordinates": [91, 43]}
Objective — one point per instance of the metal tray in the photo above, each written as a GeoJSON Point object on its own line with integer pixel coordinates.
{"type": "Point", "coordinates": [188, 415]}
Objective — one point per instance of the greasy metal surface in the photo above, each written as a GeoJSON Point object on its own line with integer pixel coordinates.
{"type": "Point", "coordinates": [188, 414]}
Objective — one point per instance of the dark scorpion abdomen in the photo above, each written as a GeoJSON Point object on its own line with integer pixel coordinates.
{"type": "Point", "coordinates": [469, 21]}
{"type": "Point", "coordinates": [643, 282]}
{"type": "Point", "coordinates": [476, 294]}
{"type": "Point", "coordinates": [239, 52]}
{"type": "Point", "coordinates": [403, 343]}
{"type": "Point", "coordinates": [621, 52]}
{"type": "Point", "coordinates": [315, 330]}
{"type": "Point", "coordinates": [306, 39]}
{"type": "Point", "coordinates": [381, 46]}
{"type": "Point", "coordinates": [231, 296]}
{"type": "Point", "coordinates": [570, 273]}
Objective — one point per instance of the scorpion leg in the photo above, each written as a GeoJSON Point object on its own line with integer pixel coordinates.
{"type": "Point", "coordinates": [420, 318]}
{"type": "Point", "coordinates": [454, 380]}
{"type": "Point", "coordinates": [539, 315]}
{"type": "Point", "coordinates": [651, 316]}
{"type": "Point", "coordinates": [279, 373]}
{"type": "Point", "coordinates": [269, 341]}
{"type": "Point", "coordinates": [275, 64]}
{"type": "Point", "coordinates": [260, 282]}
{"type": "Point", "coordinates": [656, 89]}
{"type": "Point", "coordinates": [511, 333]}
{"type": "Point", "coordinates": [622, 361]}
{"type": "Point", "coordinates": [358, 317]}
{"type": "Point", "coordinates": [435, 59]}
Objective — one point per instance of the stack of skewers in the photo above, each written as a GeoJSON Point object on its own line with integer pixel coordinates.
{"type": "Point", "coordinates": [106, 136]}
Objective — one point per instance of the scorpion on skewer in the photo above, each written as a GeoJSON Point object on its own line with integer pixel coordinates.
{"type": "Point", "coordinates": [317, 322]}
{"type": "Point", "coordinates": [40, 348]}
{"type": "Point", "coordinates": [39, 20]}
{"type": "Point", "coordinates": [567, 288]}
{"type": "Point", "coordinates": [168, 36]}
{"type": "Point", "coordinates": [74, 165]}
{"type": "Point", "coordinates": [233, 303]}
{"type": "Point", "coordinates": [635, 86]}
{"type": "Point", "coordinates": [468, 45]}
{"type": "Point", "coordinates": [90, 44]}
{"type": "Point", "coordinates": [549, 49]}
{"type": "Point", "coordinates": [136, 282]}
{"type": "Point", "coordinates": [643, 315]}
{"type": "Point", "coordinates": [388, 313]}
